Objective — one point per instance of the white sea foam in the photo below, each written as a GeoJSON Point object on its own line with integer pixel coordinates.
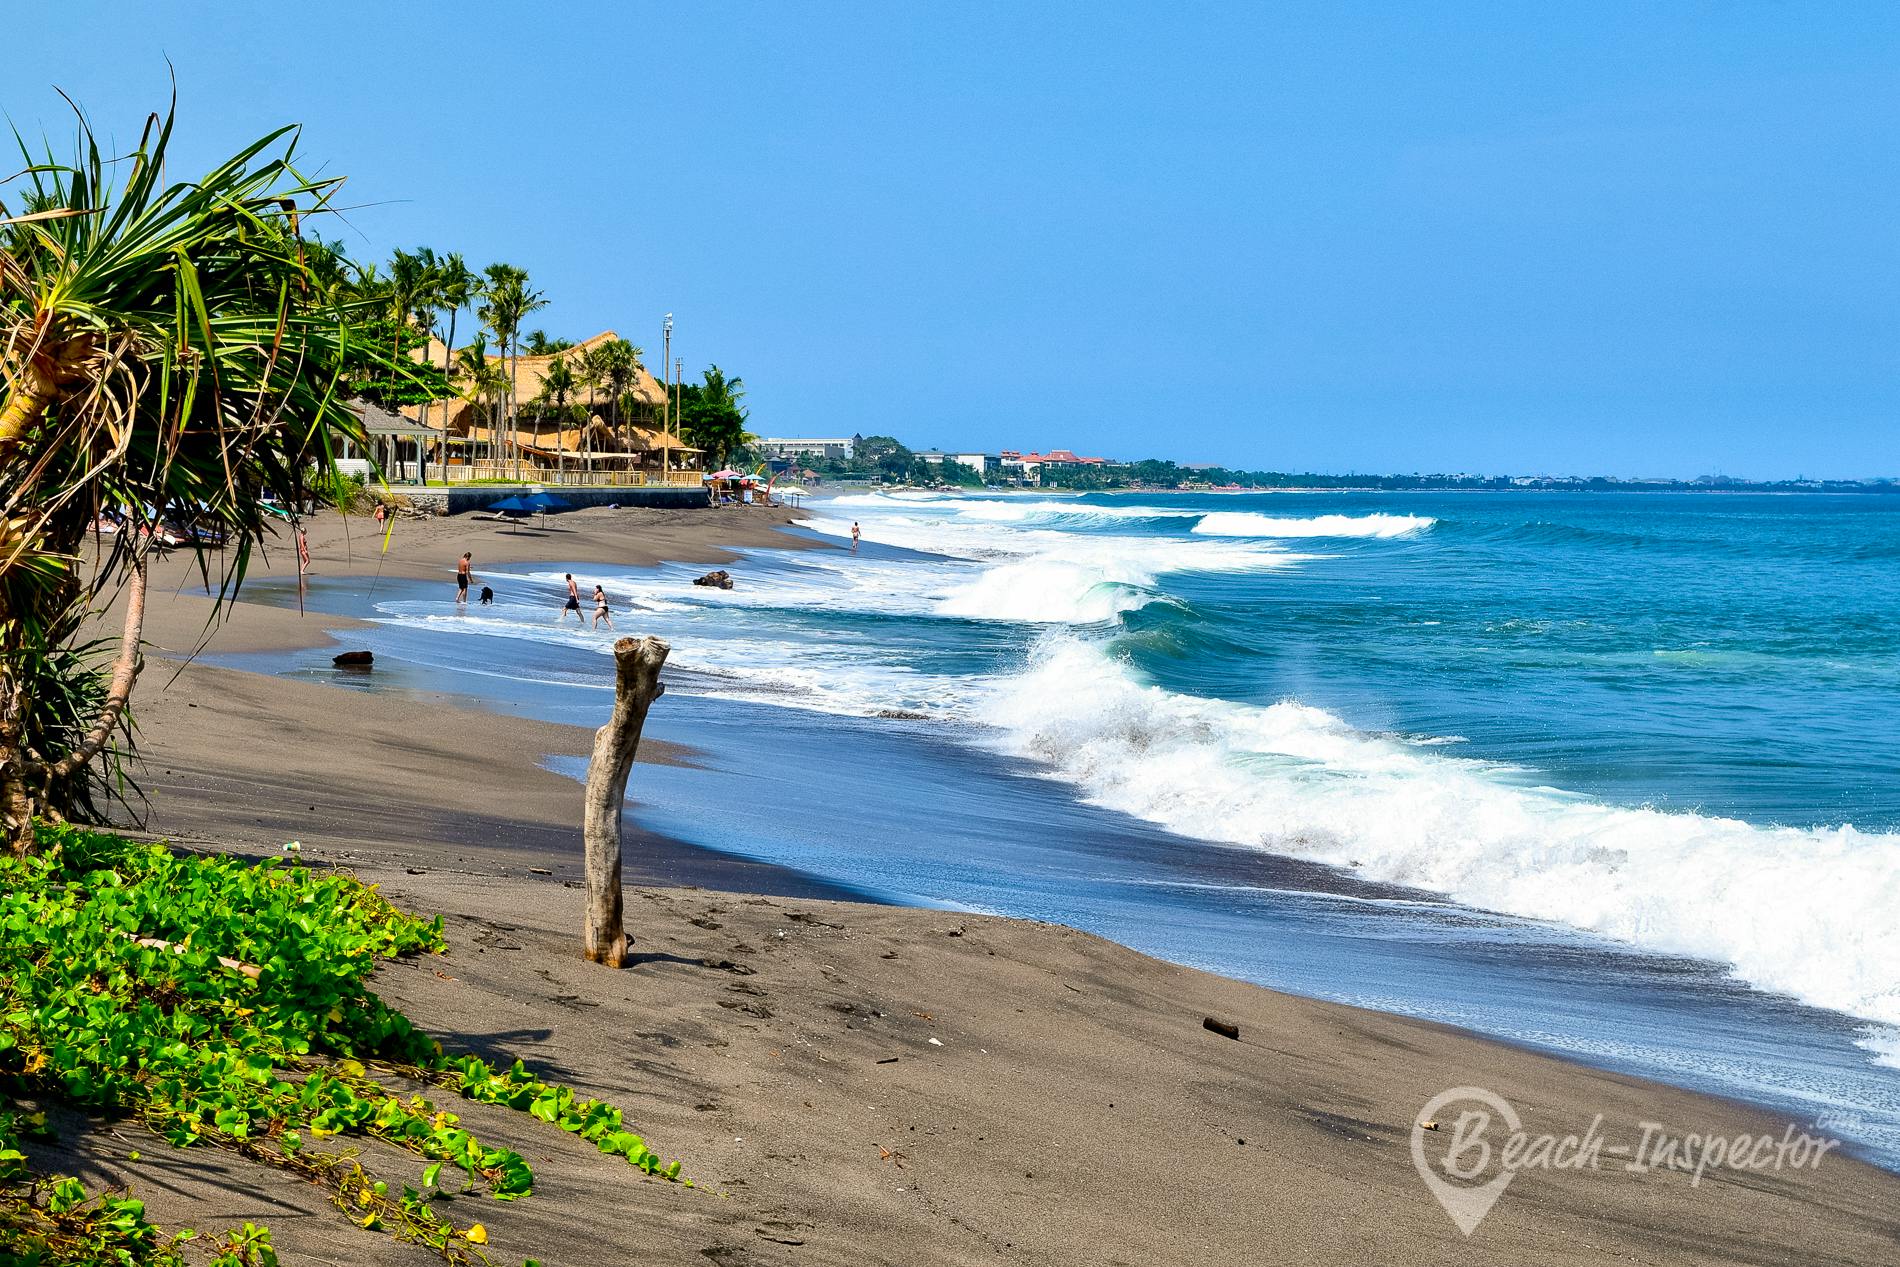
{"type": "Point", "coordinates": [1247, 523]}
{"type": "Point", "coordinates": [1071, 512]}
{"type": "Point", "coordinates": [1804, 912]}
{"type": "Point", "coordinates": [999, 570]}
{"type": "Point", "coordinates": [1884, 1042]}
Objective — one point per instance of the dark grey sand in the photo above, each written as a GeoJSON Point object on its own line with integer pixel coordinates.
{"type": "Point", "coordinates": [1072, 1109]}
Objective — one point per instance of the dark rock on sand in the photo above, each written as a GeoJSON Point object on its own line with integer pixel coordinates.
{"type": "Point", "coordinates": [721, 580]}
{"type": "Point", "coordinates": [354, 660]}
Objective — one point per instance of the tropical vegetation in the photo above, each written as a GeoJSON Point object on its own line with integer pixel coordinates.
{"type": "Point", "coordinates": [713, 416]}
{"type": "Point", "coordinates": [172, 353]}
{"type": "Point", "coordinates": [182, 355]}
{"type": "Point", "coordinates": [225, 1005]}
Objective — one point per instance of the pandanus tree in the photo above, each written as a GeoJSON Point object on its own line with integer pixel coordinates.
{"type": "Point", "coordinates": [170, 355]}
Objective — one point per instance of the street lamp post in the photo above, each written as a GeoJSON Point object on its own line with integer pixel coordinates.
{"type": "Point", "coordinates": [666, 405]}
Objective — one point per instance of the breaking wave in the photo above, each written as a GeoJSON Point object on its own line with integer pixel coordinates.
{"type": "Point", "coordinates": [1798, 911]}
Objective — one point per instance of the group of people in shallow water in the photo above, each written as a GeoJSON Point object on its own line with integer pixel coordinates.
{"type": "Point", "coordinates": [464, 577]}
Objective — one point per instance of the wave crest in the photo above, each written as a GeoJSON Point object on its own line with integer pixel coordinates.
{"type": "Point", "coordinates": [1247, 523]}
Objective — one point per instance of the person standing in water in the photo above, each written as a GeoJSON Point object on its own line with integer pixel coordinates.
{"type": "Point", "coordinates": [573, 603]}
{"type": "Point", "coordinates": [600, 608]}
{"type": "Point", "coordinates": [462, 579]}
{"type": "Point", "coordinates": [854, 535]}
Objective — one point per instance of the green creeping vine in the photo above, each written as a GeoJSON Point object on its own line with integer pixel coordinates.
{"type": "Point", "coordinates": [227, 1003]}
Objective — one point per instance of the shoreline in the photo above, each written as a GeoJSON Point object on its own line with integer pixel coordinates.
{"type": "Point", "coordinates": [210, 719]}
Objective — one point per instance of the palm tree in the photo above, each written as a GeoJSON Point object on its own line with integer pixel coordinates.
{"type": "Point", "coordinates": [713, 416]}
{"type": "Point", "coordinates": [557, 388]}
{"type": "Point", "coordinates": [590, 373]}
{"type": "Point", "coordinates": [454, 291]}
{"type": "Point", "coordinates": [166, 351]}
{"type": "Point", "coordinates": [508, 301]}
{"type": "Point", "coordinates": [486, 381]}
{"type": "Point", "coordinates": [620, 372]}
{"type": "Point", "coordinates": [407, 291]}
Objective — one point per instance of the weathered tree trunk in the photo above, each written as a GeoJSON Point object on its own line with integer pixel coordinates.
{"type": "Point", "coordinates": [637, 663]}
{"type": "Point", "coordinates": [24, 778]}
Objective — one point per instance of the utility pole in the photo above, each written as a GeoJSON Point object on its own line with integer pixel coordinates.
{"type": "Point", "coordinates": [677, 363]}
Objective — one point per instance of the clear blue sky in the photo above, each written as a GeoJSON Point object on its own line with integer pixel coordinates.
{"type": "Point", "coordinates": [1607, 238]}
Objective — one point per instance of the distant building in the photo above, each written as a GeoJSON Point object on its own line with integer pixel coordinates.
{"type": "Point", "coordinates": [1061, 457]}
{"type": "Point", "coordinates": [787, 448]}
{"type": "Point", "coordinates": [978, 462]}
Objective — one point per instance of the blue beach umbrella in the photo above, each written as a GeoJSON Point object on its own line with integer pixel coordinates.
{"type": "Point", "coordinates": [513, 507]}
{"type": "Point", "coordinates": [544, 502]}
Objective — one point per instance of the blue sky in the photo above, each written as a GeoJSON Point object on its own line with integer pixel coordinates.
{"type": "Point", "coordinates": [1628, 239]}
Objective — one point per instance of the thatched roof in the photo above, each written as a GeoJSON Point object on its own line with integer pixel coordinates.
{"type": "Point", "coordinates": [575, 441]}
{"type": "Point", "coordinates": [531, 374]}
{"type": "Point", "coordinates": [653, 440]}
{"type": "Point", "coordinates": [378, 421]}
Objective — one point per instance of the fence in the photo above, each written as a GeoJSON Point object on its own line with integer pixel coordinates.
{"type": "Point", "coordinates": [489, 472]}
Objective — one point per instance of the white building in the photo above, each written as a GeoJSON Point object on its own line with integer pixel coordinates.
{"type": "Point", "coordinates": [978, 462]}
{"type": "Point", "coordinates": [792, 447]}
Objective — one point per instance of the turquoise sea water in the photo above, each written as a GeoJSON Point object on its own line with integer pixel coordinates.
{"type": "Point", "coordinates": [1612, 775]}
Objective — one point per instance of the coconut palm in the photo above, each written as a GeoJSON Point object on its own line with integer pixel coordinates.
{"type": "Point", "coordinates": [455, 289]}
{"type": "Point", "coordinates": [620, 371]}
{"type": "Point", "coordinates": [507, 301]}
{"type": "Point", "coordinates": [557, 391]}
{"type": "Point", "coordinates": [486, 382]}
{"type": "Point", "coordinates": [169, 352]}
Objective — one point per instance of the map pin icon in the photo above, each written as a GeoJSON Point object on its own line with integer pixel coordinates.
{"type": "Point", "coordinates": [1467, 1204]}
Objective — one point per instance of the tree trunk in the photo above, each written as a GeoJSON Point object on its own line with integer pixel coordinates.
{"type": "Point", "coordinates": [16, 798]}
{"type": "Point", "coordinates": [637, 663]}
{"type": "Point", "coordinates": [448, 351]}
{"type": "Point", "coordinates": [25, 779]}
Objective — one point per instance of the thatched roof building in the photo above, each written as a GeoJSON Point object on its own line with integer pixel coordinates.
{"type": "Point", "coordinates": [459, 414]}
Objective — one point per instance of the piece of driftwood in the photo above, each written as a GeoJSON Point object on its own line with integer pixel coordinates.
{"type": "Point", "coordinates": [1226, 1029]}
{"type": "Point", "coordinates": [637, 664]}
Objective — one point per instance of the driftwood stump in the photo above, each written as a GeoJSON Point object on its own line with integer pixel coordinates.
{"type": "Point", "coordinates": [637, 663]}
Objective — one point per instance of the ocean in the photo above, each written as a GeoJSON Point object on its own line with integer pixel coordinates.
{"type": "Point", "coordinates": [1616, 776]}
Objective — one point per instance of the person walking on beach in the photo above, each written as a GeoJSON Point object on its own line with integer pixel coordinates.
{"type": "Point", "coordinates": [854, 536]}
{"type": "Point", "coordinates": [303, 552]}
{"type": "Point", "coordinates": [573, 603]}
{"type": "Point", "coordinates": [382, 513]}
{"type": "Point", "coordinates": [462, 579]}
{"type": "Point", "coordinates": [600, 608]}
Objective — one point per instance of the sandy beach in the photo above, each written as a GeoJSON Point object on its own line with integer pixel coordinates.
{"type": "Point", "coordinates": [853, 1083]}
